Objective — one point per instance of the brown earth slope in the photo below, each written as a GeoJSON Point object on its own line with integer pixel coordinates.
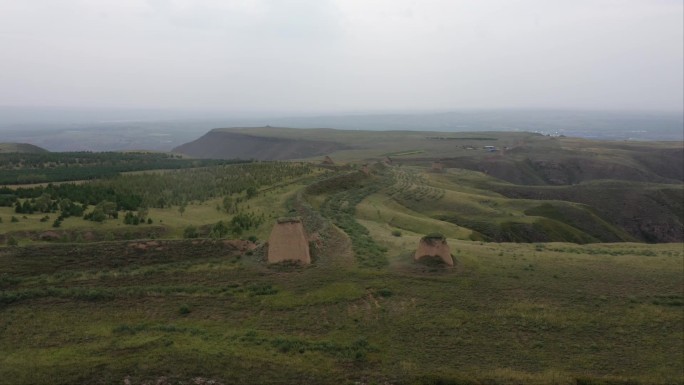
{"type": "Point", "coordinates": [529, 166]}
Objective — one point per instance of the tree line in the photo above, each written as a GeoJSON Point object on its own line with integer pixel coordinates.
{"type": "Point", "coordinates": [24, 168]}
{"type": "Point", "coordinates": [135, 193]}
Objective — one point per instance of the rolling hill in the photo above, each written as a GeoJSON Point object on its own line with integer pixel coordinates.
{"type": "Point", "coordinates": [517, 157]}
{"type": "Point", "coordinates": [545, 188]}
{"type": "Point", "coordinates": [552, 282]}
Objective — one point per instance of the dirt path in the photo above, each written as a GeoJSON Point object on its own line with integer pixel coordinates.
{"type": "Point", "coordinates": [333, 247]}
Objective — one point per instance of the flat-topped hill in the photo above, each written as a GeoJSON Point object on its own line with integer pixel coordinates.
{"type": "Point", "coordinates": [517, 157]}
{"type": "Point", "coordinates": [20, 147]}
{"type": "Point", "coordinates": [252, 144]}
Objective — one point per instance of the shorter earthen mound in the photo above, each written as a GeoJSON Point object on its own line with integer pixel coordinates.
{"type": "Point", "coordinates": [437, 167]}
{"type": "Point", "coordinates": [288, 242]}
{"type": "Point", "coordinates": [365, 170]}
{"type": "Point", "coordinates": [434, 248]}
{"type": "Point", "coordinates": [328, 160]}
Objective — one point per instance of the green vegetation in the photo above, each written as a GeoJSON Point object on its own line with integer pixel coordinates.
{"type": "Point", "coordinates": [43, 167]}
{"type": "Point", "coordinates": [191, 310]}
{"type": "Point", "coordinates": [340, 208]}
{"type": "Point", "coordinates": [165, 280]}
{"type": "Point", "coordinates": [161, 189]}
{"type": "Point", "coordinates": [149, 199]}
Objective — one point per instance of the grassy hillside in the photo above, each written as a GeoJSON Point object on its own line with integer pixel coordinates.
{"type": "Point", "coordinates": [550, 284]}
{"type": "Point", "coordinates": [53, 167]}
{"type": "Point", "coordinates": [517, 157]}
{"type": "Point", "coordinates": [466, 204]}
{"type": "Point", "coordinates": [20, 148]}
{"type": "Point", "coordinates": [649, 212]}
{"type": "Point", "coordinates": [608, 191]}
{"type": "Point", "coordinates": [508, 314]}
{"type": "Point", "coordinates": [479, 207]}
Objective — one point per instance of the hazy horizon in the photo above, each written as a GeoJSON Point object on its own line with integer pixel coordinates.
{"type": "Point", "coordinates": [17, 115]}
{"type": "Point", "coordinates": [114, 130]}
{"type": "Point", "coordinates": [334, 57]}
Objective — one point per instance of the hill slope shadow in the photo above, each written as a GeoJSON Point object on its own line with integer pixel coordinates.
{"type": "Point", "coordinates": [231, 145]}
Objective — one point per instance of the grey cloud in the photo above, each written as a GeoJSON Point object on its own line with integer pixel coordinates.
{"type": "Point", "coordinates": [335, 55]}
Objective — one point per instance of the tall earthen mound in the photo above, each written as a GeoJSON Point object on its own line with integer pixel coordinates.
{"type": "Point", "coordinates": [288, 242]}
{"type": "Point", "coordinates": [434, 248]}
{"type": "Point", "coordinates": [328, 161]}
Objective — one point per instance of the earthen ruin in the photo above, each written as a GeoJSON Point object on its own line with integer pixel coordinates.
{"type": "Point", "coordinates": [434, 247]}
{"type": "Point", "coordinates": [437, 167]}
{"type": "Point", "coordinates": [288, 242]}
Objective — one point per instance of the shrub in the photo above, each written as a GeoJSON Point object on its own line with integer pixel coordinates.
{"type": "Point", "coordinates": [396, 233]}
{"type": "Point", "coordinates": [262, 289]}
{"type": "Point", "coordinates": [184, 309]}
{"type": "Point", "coordinates": [11, 241]}
{"type": "Point", "coordinates": [190, 232]}
{"type": "Point", "coordinates": [219, 230]}
{"type": "Point", "coordinates": [93, 295]}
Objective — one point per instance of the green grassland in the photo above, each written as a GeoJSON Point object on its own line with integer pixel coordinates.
{"type": "Point", "coordinates": [192, 198]}
{"type": "Point", "coordinates": [403, 144]}
{"type": "Point", "coordinates": [270, 203]}
{"type": "Point", "coordinates": [550, 283]}
{"type": "Point", "coordinates": [509, 313]}
{"type": "Point", "coordinates": [607, 187]}
{"type": "Point", "coordinates": [24, 163]}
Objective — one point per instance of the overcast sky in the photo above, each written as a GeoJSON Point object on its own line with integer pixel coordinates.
{"type": "Point", "coordinates": [343, 55]}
